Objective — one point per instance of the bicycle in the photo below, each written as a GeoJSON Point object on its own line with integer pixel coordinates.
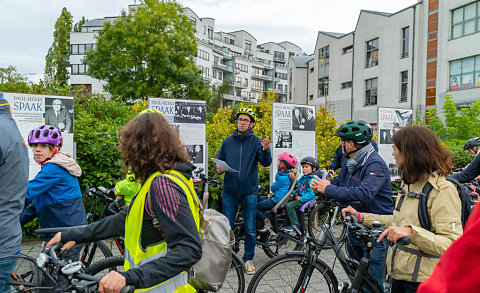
{"type": "Point", "coordinates": [42, 274]}
{"type": "Point", "coordinates": [301, 265]}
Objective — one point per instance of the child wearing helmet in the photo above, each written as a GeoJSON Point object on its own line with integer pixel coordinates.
{"type": "Point", "coordinates": [283, 179]}
{"type": "Point", "coordinates": [54, 191]}
{"type": "Point", "coordinates": [302, 194]}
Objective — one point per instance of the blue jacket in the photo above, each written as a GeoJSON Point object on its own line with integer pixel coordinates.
{"type": "Point", "coordinates": [370, 184]}
{"type": "Point", "coordinates": [304, 190]}
{"type": "Point", "coordinates": [243, 153]}
{"type": "Point", "coordinates": [281, 185]}
{"type": "Point", "coordinates": [57, 197]}
{"type": "Point", "coordinates": [339, 157]}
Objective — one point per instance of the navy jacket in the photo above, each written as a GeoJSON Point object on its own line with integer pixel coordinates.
{"type": "Point", "coordinates": [470, 172]}
{"type": "Point", "coordinates": [339, 157]}
{"type": "Point", "coordinates": [243, 153]}
{"type": "Point", "coordinates": [370, 184]}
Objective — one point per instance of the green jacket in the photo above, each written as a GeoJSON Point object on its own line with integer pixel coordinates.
{"type": "Point", "coordinates": [127, 188]}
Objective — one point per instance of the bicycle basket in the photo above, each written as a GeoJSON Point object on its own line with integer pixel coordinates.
{"type": "Point", "coordinates": [28, 277]}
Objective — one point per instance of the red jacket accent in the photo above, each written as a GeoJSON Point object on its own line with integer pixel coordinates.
{"type": "Point", "coordinates": [457, 270]}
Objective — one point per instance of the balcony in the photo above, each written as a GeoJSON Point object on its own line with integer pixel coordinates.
{"type": "Point", "coordinates": [257, 88]}
{"type": "Point", "coordinates": [240, 85]}
{"type": "Point", "coordinates": [248, 51]}
{"type": "Point", "coordinates": [222, 66]}
{"type": "Point", "coordinates": [262, 76]}
{"type": "Point", "coordinates": [279, 58]}
{"type": "Point", "coordinates": [207, 78]}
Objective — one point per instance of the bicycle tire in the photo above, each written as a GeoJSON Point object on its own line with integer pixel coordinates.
{"type": "Point", "coordinates": [93, 252]}
{"type": "Point", "coordinates": [323, 279]}
{"type": "Point", "coordinates": [316, 219]}
{"type": "Point", "coordinates": [278, 244]}
{"type": "Point", "coordinates": [104, 266]}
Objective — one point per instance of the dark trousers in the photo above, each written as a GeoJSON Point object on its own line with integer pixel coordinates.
{"type": "Point", "coordinates": [399, 286]}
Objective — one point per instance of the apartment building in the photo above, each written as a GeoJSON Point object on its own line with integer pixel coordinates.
{"type": "Point", "coordinates": [408, 59]}
{"type": "Point", "coordinates": [223, 57]}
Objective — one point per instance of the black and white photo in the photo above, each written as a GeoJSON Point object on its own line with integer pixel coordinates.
{"type": "Point", "coordinates": [190, 112]}
{"type": "Point", "coordinates": [59, 113]}
{"type": "Point", "coordinates": [196, 153]}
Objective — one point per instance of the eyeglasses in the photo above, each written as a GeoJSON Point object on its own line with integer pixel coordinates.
{"type": "Point", "coordinates": [244, 120]}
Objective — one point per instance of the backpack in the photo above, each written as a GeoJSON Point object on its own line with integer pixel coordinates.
{"type": "Point", "coordinates": [463, 193]}
{"type": "Point", "coordinates": [217, 239]}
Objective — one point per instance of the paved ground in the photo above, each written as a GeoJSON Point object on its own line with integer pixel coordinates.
{"type": "Point", "coordinates": [33, 248]}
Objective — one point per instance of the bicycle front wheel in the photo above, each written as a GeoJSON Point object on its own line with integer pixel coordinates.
{"type": "Point", "coordinates": [280, 274]}
{"type": "Point", "coordinates": [94, 251]}
{"type": "Point", "coordinates": [318, 216]}
{"type": "Point", "coordinates": [104, 266]}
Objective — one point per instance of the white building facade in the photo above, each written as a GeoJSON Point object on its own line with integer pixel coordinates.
{"type": "Point", "coordinates": [223, 57]}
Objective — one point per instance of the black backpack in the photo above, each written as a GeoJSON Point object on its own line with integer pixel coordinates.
{"type": "Point", "coordinates": [463, 193]}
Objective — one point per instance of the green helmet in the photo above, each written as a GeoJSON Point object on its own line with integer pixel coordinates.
{"type": "Point", "coordinates": [149, 110]}
{"type": "Point", "coordinates": [359, 131]}
{"type": "Point", "coordinates": [247, 111]}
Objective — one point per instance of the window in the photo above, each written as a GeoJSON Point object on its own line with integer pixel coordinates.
{"type": "Point", "coordinates": [241, 67]}
{"type": "Point", "coordinates": [311, 70]}
{"type": "Point", "coordinates": [236, 54]}
{"type": "Point", "coordinates": [202, 54]}
{"type": "Point", "coordinates": [311, 97]}
{"type": "Point", "coordinates": [210, 33]}
{"type": "Point", "coordinates": [348, 49]}
{"type": "Point", "coordinates": [324, 54]}
{"type": "Point", "coordinates": [346, 85]}
{"type": "Point", "coordinates": [405, 32]}
{"type": "Point", "coordinates": [220, 75]}
{"type": "Point", "coordinates": [80, 49]}
{"type": "Point", "coordinates": [372, 53]}
{"type": "Point", "coordinates": [248, 45]}
{"type": "Point", "coordinates": [403, 86]}
{"type": "Point", "coordinates": [465, 73]}
{"type": "Point", "coordinates": [280, 88]}
{"type": "Point", "coordinates": [79, 69]}
{"type": "Point", "coordinates": [371, 86]}
{"type": "Point", "coordinates": [257, 85]}
{"type": "Point", "coordinates": [323, 87]}
{"type": "Point", "coordinates": [214, 73]}
{"type": "Point", "coordinates": [281, 75]}
{"type": "Point", "coordinates": [280, 56]}
{"type": "Point", "coordinates": [258, 71]}
{"type": "Point", "coordinates": [466, 20]}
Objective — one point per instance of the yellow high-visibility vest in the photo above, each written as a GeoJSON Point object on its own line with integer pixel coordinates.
{"type": "Point", "coordinates": [136, 255]}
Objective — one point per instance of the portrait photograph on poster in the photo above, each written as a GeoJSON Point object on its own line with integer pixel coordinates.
{"type": "Point", "coordinates": [59, 113]}
{"type": "Point", "coordinates": [303, 118]}
{"type": "Point", "coordinates": [284, 139]}
{"type": "Point", "coordinates": [196, 153]}
{"type": "Point", "coordinates": [190, 112]}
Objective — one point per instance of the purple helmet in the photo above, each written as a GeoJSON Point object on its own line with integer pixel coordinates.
{"type": "Point", "coordinates": [45, 134]}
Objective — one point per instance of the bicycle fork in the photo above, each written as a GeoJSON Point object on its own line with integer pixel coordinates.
{"type": "Point", "coordinates": [308, 265]}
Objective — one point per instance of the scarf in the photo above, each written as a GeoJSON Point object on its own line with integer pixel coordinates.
{"type": "Point", "coordinates": [360, 157]}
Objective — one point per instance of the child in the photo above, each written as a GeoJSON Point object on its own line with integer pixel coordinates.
{"type": "Point", "coordinates": [283, 180]}
{"type": "Point", "coordinates": [54, 190]}
{"type": "Point", "coordinates": [302, 194]}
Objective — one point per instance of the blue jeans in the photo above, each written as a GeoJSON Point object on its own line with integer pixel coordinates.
{"type": "Point", "coordinates": [7, 264]}
{"type": "Point", "coordinates": [263, 205]}
{"type": "Point", "coordinates": [356, 250]}
{"type": "Point", "coordinates": [249, 204]}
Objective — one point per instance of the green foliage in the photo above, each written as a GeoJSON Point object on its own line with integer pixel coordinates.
{"type": "Point", "coordinates": [456, 128]}
{"type": "Point", "coordinates": [55, 72]}
{"type": "Point", "coordinates": [215, 101]}
{"type": "Point", "coordinates": [27, 229]}
{"type": "Point", "coordinates": [327, 143]}
{"type": "Point", "coordinates": [148, 53]}
{"type": "Point", "coordinates": [78, 26]}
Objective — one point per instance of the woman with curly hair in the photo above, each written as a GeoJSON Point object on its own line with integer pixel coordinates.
{"type": "Point", "coordinates": [421, 159]}
{"type": "Point", "coordinates": [164, 213]}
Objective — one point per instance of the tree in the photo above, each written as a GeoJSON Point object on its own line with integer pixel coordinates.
{"type": "Point", "coordinates": [148, 53]}
{"type": "Point", "coordinates": [215, 101]}
{"type": "Point", "coordinates": [56, 73]}
{"type": "Point", "coordinates": [78, 26]}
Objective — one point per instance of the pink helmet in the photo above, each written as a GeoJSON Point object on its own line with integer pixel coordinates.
{"type": "Point", "coordinates": [288, 159]}
{"type": "Point", "coordinates": [45, 134]}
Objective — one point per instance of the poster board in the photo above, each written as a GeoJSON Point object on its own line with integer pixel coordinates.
{"type": "Point", "coordinates": [389, 121]}
{"type": "Point", "coordinates": [189, 117]}
{"type": "Point", "coordinates": [30, 111]}
{"type": "Point", "coordinates": [293, 131]}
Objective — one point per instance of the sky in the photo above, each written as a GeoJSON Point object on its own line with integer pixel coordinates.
{"type": "Point", "coordinates": [26, 26]}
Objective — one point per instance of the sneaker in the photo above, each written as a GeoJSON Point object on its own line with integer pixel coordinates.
{"type": "Point", "coordinates": [250, 268]}
{"type": "Point", "coordinates": [266, 227]}
{"type": "Point", "coordinates": [289, 228]}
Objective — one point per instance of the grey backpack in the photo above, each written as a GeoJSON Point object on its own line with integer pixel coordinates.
{"type": "Point", "coordinates": [217, 241]}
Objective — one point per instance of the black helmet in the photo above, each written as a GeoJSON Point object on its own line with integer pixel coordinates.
{"type": "Point", "coordinates": [475, 141]}
{"type": "Point", "coordinates": [359, 131]}
{"type": "Point", "coordinates": [311, 161]}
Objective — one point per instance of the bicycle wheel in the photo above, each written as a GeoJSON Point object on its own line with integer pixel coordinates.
{"type": "Point", "coordinates": [94, 251]}
{"type": "Point", "coordinates": [104, 266]}
{"type": "Point", "coordinates": [275, 244]}
{"type": "Point", "coordinates": [280, 274]}
{"type": "Point", "coordinates": [318, 216]}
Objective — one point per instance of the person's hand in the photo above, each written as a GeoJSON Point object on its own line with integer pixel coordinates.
{"type": "Point", "coordinates": [350, 210]}
{"type": "Point", "coordinates": [220, 170]}
{"type": "Point", "coordinates": [270, 195]}
{"type": "Point", "coordinates": [291, 196]}
{"type": "Point", "coordinates": [297, 198]}
{"type": "Point", "coordinates": [57, 239]}
{"type": "Point", "coordinates": [113, 282]}
{"type": "Point", "coordinates": [318, 184]}
{"type": "Point", "coordinates": [395, 233]}
{"type": "Point", "coordinates": [265, 143]}
{"type": "Point", "coordinates": [331, 172]}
